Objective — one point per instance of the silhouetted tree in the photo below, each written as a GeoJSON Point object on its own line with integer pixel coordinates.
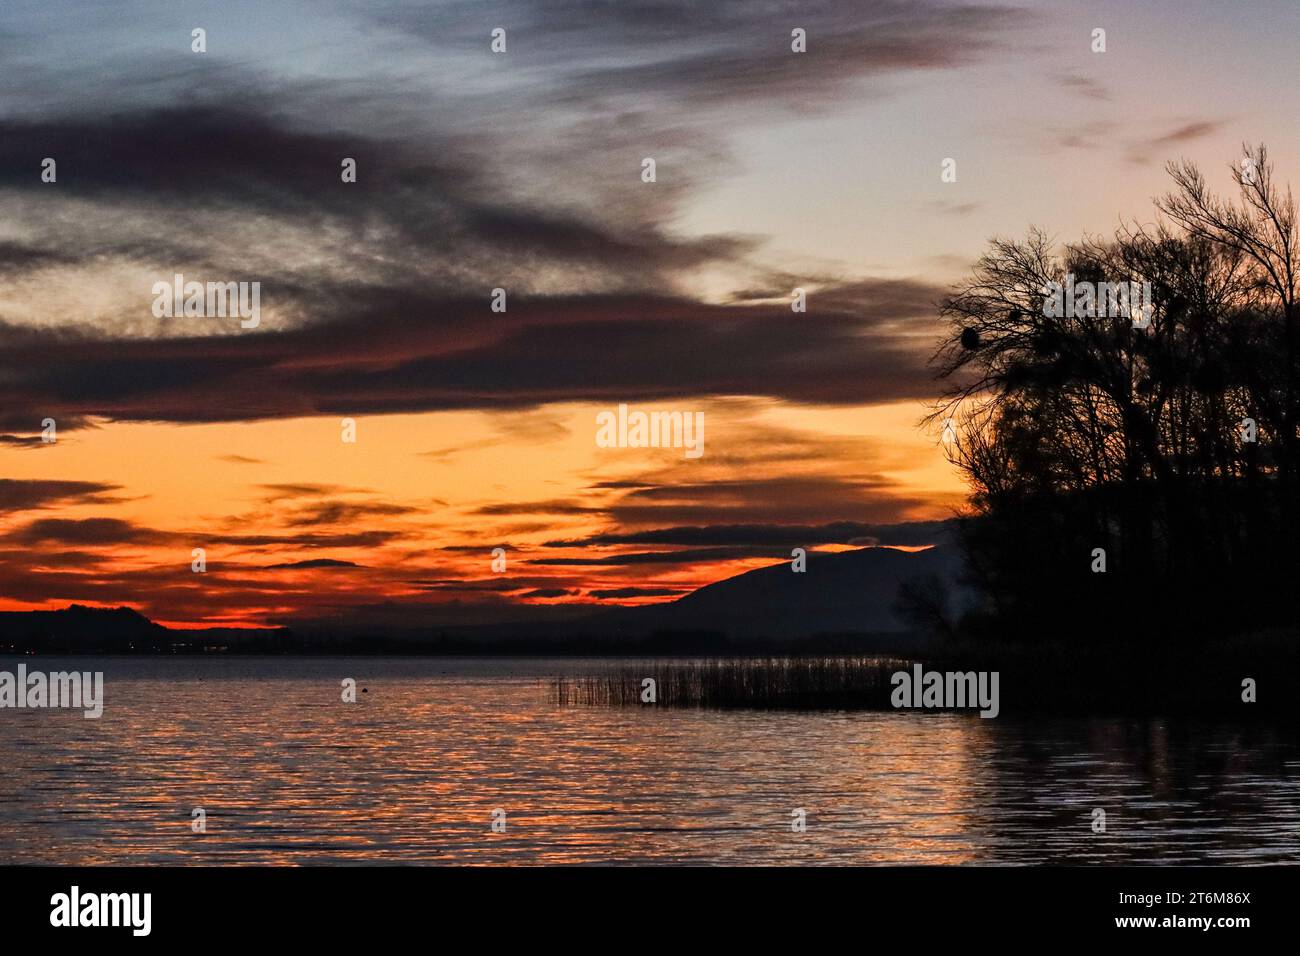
{"type": "Point", "coordinates": [1081, 433]}
{"type": "Point", "coordinates": [922, 603]}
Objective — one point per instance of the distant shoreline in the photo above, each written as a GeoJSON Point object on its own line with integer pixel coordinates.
{"type": "Point", "coordinates": [1058, 679]}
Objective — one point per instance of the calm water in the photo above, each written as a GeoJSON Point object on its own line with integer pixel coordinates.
{"type": "Point", "coordinates": [412, 773]}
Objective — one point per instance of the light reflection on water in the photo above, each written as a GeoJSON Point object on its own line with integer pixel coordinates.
{"type": "Point", "coordinates": [287, 773]}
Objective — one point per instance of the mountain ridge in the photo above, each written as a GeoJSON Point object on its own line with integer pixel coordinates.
{"type": "Point", "coordinates": [840, 592]}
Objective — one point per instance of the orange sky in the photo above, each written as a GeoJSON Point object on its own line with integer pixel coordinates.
{"type": "Point", "coordinates": [444, 489]}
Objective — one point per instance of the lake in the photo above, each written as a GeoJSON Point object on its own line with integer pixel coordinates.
{"type": "Point", "coordinates": [287, 773]}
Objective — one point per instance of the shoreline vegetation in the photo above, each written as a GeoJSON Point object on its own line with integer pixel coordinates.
{"type": "Point", "coordinates": [1050, 678]}
{"type": "Point", "coordinates": [782, 683]}
{"type": "Point", "coordinates": [1164, 675]}
{"type": "Point", "coordinates": [1164, 672]}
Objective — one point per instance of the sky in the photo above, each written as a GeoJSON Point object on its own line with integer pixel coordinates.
{"type": "Point", "coordinates": [522, 170]}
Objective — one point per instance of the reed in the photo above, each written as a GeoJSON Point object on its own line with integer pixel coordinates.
{"type": "Point", "coordinates": [779, 683]}
{"type": "Point", "coordinates": [1050, 677]}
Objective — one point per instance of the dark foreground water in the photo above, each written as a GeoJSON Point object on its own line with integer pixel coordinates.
{"type": "Point", "coordinates": [413, 772]}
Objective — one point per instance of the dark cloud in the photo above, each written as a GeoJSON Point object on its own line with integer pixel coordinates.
{"type": "Point", "coordinates": [20, 419]}
{"type": "Point", "coordinates": [218, 174]}
{"type": "Point", "coordinates": [1085, 86]}
{"type": "Point", "coordinates": [357, 539]}
{"type": "Point", "coordinates": [376, 337]}
{"type": "Point", "coordinates": [549, 593]}
{"type": "Point", "coordinates": [553, 507]}
{"type": "Point", "coordinates": [945, 207]}
{"type": "Point", "coordinates": [87, 531]}
{"type": "Point", "coordinates": [339, 512]}
{"type": "Point", "coordinates": [16, 257]}
{"type": "Point", "coordinates": [1143, 149]}
{"type": "Point", "coordinates": [725, 53]}
{"type": "Point", "coordinates": [44, 558]}
{"type": "Point", "coordinates": [768, 501]}
{"type": "Point", "coordinates": [909, 534]}
{"type": "Point", "coordinates": [685, 557]}
{"type": "Point", "coordinates": [504, 585]}
{"type": "Point", "coordinates": [165, 592]}
{"type": "Point", "coordinates": [435, 209]}
{"type": "Point", "coordinates": [1186, 133]}
{"type": "Point", "coordinates": [414, 353]}
{"type": "Point", "coordinates": [607, 594]}
{"type": "Point", "coordinates": [22, 494]}
{"type": "Point", "coordinates": [1094, 134]}
{"type": "Point", "coordinates": [278, 492]}
{"type": "Point", "coordinates": [109, 532]}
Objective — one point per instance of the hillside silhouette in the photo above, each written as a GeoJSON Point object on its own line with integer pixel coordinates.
{"type": "Point", "coordinates": [846, 595]}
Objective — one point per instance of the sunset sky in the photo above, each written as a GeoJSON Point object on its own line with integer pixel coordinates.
{"type": "Point", "coordinates": [522, 170]}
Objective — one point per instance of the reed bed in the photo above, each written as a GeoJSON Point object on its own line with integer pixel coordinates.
{"type": "Point", "coordinates": [776, 683]}
{"type": "Point", "coordinates": [1051, 677]}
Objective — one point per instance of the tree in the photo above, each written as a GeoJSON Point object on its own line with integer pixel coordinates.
{"type": "Point", "coordinates": [1080, 433]}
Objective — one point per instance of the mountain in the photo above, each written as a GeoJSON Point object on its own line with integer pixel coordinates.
{"type": "Point", "coordinates": [838, 593]}
{"type": "Point", "coordinates": [82, 629]}
{"type": "Point", "coordinates": [843, 591]}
